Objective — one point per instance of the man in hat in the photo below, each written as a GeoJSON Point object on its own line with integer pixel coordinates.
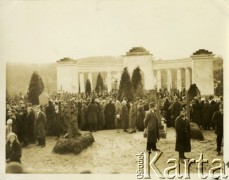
{"type": "Point", "coordinates": [183, 134]}
{"type": "Point", "coordinates": [41, 122]}
{"type": "Point", "coordinates": [124, 116]}
{"type": "Point", "coordinates": [175, 110]}
{"type": "Point", "coordinates": [217, 119]}
{"type": "Point", "coordinates": [151, 123]}
{"type": "Point", "coordinates": [109, 113]}
{"type": "Point", "coordinates": [92, 117]}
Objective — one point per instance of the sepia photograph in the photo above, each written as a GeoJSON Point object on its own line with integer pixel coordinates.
{"type": "Point", "coordinates": [129, 89]}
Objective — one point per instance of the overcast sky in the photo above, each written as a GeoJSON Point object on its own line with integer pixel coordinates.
{"type": "Point", "coordinates": [46, 31]}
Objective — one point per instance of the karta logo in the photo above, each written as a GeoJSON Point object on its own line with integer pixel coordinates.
{"type": "Point", "coordinates": [145, 166]}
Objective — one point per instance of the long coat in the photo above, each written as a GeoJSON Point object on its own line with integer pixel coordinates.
{"type": "Point", "coordinates": [140, 117]}
{"type": "Point", "coordinates": [151, 124]}
{"type": "Point", "coordinates": [207, 113]}
{"type": "Point", "coordinates": [132, 116]}
{"type": "Point", "coordinates": [183, 134]}
{"type": "Point", "coordinates": [175, 109]}
{"type": "Point", "coordinates": [217, 119]}
{"type": "Point", "coordinates": [101, 118]}
{"type": "Point", "coordinates": [83, 116]}
{"type": "Point", "coordinates": [166, 112]}
{"type": "Point", "coordinates": [21, 124]}
{"type": "Point", "coordinates": [31, 125]}
{"type": "Point", "coordinates": [109, 113]}
{"type": "Point", "coordinates": [93, 111]}
{"type": "Point", "coordinates": [124, 116]}
{"type": "Point", "coordinates": [13, 153]}
{"type": "Point", "coordinates": [41, 122]}
{"type": "Point", "coordinates": [196, 113]}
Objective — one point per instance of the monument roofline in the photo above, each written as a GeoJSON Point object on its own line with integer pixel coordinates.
{"type": "Point", "coordinates": [202, 52]}
{"type": "Point", "coordinates": [66, 60]}
{"type": "Point", "coordinates": [137, 51]}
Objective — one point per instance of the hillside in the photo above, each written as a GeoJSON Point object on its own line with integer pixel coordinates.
{"type": "Point", "coordinates": [18, 76]}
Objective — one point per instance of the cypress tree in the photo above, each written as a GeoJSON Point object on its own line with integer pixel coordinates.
{"type": "Point", "coordinates": [88, 87]}
{"type": "Point", "coordinates": [125, 87]}
{"type": "Point", "coordinates": [99, 85]}
{"type": "Point", "coordinates": [36, 87]}
{"type": "Point", "coordinates": [193, 91]}
{"type": "Point", "coordinates": [137, 85]}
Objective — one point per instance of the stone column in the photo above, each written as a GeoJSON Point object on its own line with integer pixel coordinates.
{"type": "Point", "coordinates": [179, 79]}
{"type": "Point", "coordinates": [169, 80]}
{"type": "Point", "coordinates": [187, 78]}
{"type": "Point", "coordinates": [109, 86]}
{"type": "Point", "coordinates": [153, 80]}
{"type": "Point", "coordinates": [82, 85]}
{"type": "Point", "coordinates": [90, 79]}
{"type": "Point", "coordinates": [158, 80]}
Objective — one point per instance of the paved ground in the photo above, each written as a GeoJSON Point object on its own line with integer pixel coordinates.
{"type": "Point", "coordinates": [112, 153]}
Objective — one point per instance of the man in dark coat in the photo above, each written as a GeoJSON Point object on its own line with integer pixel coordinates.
{"type": "Point", "coordinates": [151, 123]}
{"type": "Point", "coordinates": [217, 119]}
{"type": "Point", "coordinates": [31, 125]}
{"type": "Point", "coordinates": [109, 115]}
{"type": "Point", "coordinates": [196, 112]}
{"type": "Point", "coordinates": [40, 125]}
{"type": "Point", "coordinates": [132, 117]}
{"type": "Point", "coordinates": [166, 112]}
{"type": "Point", "coordinates": [183, 135]}
{"type": "Point", "coordinates": [22, 125]}
{"type": "Point", "coordinates": [146, 105]}
{"type": "Point", "coordinates": [51, 120]}
{"type": "Point", "coordinates": [207, 115]}
{"type": "Point", "coordinates": [140, 116]}
{"type": "Point", "coordinates": [175, 110]}
{"type": "Point", "coordinates": [93, 111]}
{"type": "Point", "coordinates": [83, 125]}
{"type": "Point", "coordinates": [124, 116]}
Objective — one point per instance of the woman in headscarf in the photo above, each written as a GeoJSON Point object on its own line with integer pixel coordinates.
{"type": "Point", "coordinates": [13, 149]}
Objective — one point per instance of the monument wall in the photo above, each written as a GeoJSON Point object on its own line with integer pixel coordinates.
{"type": "Point", "coordinates": [198, 69]}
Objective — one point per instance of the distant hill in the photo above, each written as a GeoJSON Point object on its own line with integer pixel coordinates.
{"type": "Point", "coordinates": [18, 76]}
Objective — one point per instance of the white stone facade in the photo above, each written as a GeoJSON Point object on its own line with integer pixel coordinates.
{"type": "Point", "coordinates": [179, 73]}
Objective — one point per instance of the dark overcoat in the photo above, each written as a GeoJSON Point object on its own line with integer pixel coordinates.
{"type": "Point", "coordinates": [93, 111]}
{"type": "Point", "coordinates": [217, 119]}
{"type": "Point", "coordinates": [207, 113]}
{"type": "Point", "coordinates": [31, 125]}
{"type": "Point", "coordinates": [196, 113]}
{"type": "Point", "coordinates": [124, 116]}
{"type": "Point", "coordinates": [41, 122]}
{"type": "Point", "coordinates": [83, 116]}
{"type": "Point", "coordinates": [140, 117]}
{"type": "Point", "coordinates": [151, 123]}
{"type": "Point", "coordinates": [101, 118]}
{"type": "Point", "coordinates": [132, 116]}
{"type": "Point", "coordinates": [13, 153]}
{"type": "Point", "coordinates": [176, 107]}
{"type": "Point", "coordinates": [109, 113]}
{"type": "Point", "coordinates": [183, 134]}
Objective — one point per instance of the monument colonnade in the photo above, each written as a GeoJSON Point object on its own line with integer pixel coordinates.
{"type": "Point", "coordinates": [180, 73]}
{"type": "Point", "coordinates": [113, 73]}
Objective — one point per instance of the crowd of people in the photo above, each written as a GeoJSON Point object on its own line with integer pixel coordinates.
{"type": "Point", "coordinates": [29, 124]}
